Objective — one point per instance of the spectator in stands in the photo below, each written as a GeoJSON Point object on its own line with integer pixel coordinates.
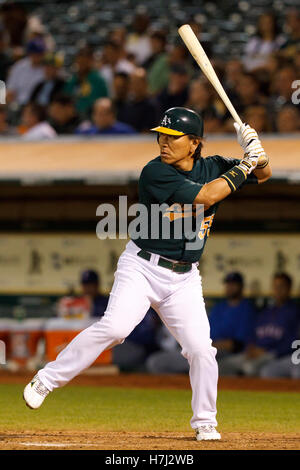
{"type": "Point", "coordinates": [248, 93]}
{"type": "Point", "coordinates": [264, 43]}
{"type": "Point", "coordinates": [25, 74]}
{"type": "Point", "coordinates": [257, 117]}
{"type": "Point", "coordinates": [35, 124]}
{"type": "Point", "coordinates": [112, 62]}
{"type": "Point", "coordinates": [140, 112]}
{"type": "Point", "coordinates": [86, 85]}
{"type": "Point", "coordinates": [5, 128]}
{"type": "Point", "coordinates": [271, 68]}
{"type": "Point", "coordinates": [91, 288]}
{"type": "Point", "coordinates": [202, 100]}
{"type": "Point", "coordinates": [176, 93]}
{"type": "Point", "coordinates": [63, 116]}
{"type": "Point", "coordinates": [120, 91]}
{"type": "Point", "coordinates": [132, 354]}
{"type": "Point", "coordinates": [231, 320]}
{"type": "Point", "coordinates": [36, 30]}
{"type": "Point", "coordinates": [285, 312]}
{"type": "Point", "coordinates": [282, 89]}
{"type": "Point", "coordinates": [157, 65]}
{"type": "Point", "coordinates": [288, 119]}
{"type": "Point", "coordinates": [234, 70]}
{"type": "Point", "coordinates": [90, 303]}
{"type": "Point", "coordinates": [297, 62]}
{"type": "Point", "coordinates": [118, 36]}
{"type": "Point", "coordinates": [104, 121]}
{"type": "Point", "coordinates": [275, 329]}
{"type": "Point", "coordinates": [179, 55]}
{"type": "Point", "coordinates": [45, 91]}
{"type": "Point", "coordinates": [138, 42]}
{"type": "Point", "coordinates": [14, 17]}
{"type": "Point", "coordinates": [5, 59]}
{"type": "Point", "coordinates": [291, 44]}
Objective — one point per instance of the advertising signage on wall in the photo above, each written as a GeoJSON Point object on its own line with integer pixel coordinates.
{"type": "Point", "coordinates": [51, 263]}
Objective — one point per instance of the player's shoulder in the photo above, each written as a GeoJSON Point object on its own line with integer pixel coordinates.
{"type": "Point", "coordinates": [156, 167]}
{"type": "Point", "coordinates": [154, 161]}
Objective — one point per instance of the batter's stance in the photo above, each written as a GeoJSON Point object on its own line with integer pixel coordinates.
{"type": "Point", "coordinates": [163, 272]}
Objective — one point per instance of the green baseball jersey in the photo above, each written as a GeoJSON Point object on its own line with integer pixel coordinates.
{"type": "Point", "coordinates": [161, 183]}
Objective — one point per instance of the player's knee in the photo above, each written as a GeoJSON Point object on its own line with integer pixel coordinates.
{"type": "Point", "coordinates": [118, 332]}
{"type": "Point", "coordinates": [196, 350]}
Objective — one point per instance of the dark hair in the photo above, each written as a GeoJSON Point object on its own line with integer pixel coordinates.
{"type": "Point", "coordinates": [64, 100]}
{"type": "Point", "coordinates": [122, 75]}
{"type": "Point", "coordinates": [160, 35]}
{"type": "Point", "coordinates": [197, 154]}
{"type": "Point", "coordinates": [112, 44]}
{"type": "Point", "coordinates": [38, 110]}
{"type": "Point", "coordinates": [285, 277]}
{"type": "Point", "coordinates": [276, 30]}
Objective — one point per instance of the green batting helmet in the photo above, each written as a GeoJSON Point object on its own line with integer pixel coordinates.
{"type": "Point", "coordinates": [180, 121]}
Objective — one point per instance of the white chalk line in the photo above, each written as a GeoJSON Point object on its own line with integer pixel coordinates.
{"type": "Point", "coordinates": [53, 444]}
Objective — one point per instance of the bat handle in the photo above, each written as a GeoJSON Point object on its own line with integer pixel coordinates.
{"type": "Point", "coordinates": [234, 114]}
{"type": "Point", "coordinates": [238, 120]}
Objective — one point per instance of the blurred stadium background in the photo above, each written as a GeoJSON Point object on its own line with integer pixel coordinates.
{"type": "Point", "coordinates": [84, 83]}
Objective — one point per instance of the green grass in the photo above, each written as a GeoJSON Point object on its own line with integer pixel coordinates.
{"type": "Point", "coordinates": [117, 409]}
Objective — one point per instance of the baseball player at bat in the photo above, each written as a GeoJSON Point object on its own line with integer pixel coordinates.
{"type": "Point", "coordinates": [162, 272]}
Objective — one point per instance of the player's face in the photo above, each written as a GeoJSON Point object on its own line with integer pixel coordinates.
{"type": "Point", "coordinates": [176, 150]}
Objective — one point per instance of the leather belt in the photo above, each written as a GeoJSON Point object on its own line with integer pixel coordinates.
{"type": "Point", "coordinates": [175, 266]}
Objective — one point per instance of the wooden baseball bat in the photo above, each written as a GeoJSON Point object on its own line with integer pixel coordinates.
{"type": "Point", "coordinates": [190, 39]}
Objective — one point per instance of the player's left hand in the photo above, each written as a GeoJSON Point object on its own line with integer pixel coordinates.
{"type": "Point", "coordinates": [245, 135]}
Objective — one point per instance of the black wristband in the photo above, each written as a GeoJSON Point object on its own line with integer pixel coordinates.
{"type": "Point", "coordinates": [234, 177]}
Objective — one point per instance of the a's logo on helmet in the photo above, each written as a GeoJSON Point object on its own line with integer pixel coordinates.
{"type": "Point", "coordinates": [166, 121]}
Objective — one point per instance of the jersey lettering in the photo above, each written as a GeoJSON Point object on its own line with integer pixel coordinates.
{"type": "Point", "coordinates": [205, 226]}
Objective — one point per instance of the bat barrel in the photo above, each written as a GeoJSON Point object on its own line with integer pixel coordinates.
{"type": "Point", "coordinates": [191, 41]}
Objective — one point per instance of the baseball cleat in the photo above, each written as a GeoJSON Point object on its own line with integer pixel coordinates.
{"type": "Point", "coordinates": [35, 393]}
{"type": "Point", "coordinates": [207, 432]}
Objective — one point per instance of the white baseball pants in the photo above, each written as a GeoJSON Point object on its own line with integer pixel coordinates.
{"type": "Point", "coordinates": [178, 300]}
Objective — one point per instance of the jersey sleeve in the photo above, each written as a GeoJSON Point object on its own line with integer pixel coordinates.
{"type": "Point", "coordinates": [163, 181]}
{"type": "Point", "coordinates": [224, 164]}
